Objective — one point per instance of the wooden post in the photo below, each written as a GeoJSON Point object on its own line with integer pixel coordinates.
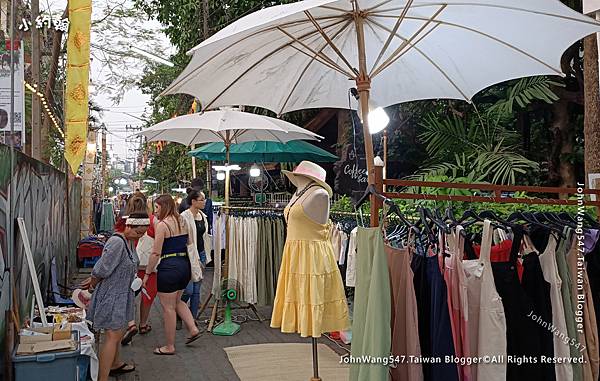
{"type": "Point", "coordinates": [363, 85]}
{"type": "Point", "coordinates": [376, 203]}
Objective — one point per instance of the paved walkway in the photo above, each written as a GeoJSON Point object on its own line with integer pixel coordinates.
{"type": "Point", "coordinates": [205, 359]}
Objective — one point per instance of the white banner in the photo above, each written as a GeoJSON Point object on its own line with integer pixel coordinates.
{"type": "Point", "coordinates": [19, 95]}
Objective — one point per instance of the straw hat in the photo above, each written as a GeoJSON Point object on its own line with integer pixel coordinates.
{"type": "Point", "coordinates": [311, 171]}
{"type": "Point", "coordinates": [81, 298]}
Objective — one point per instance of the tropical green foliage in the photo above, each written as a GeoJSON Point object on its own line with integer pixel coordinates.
{"type": "Point", "coordinates": [479, 144]}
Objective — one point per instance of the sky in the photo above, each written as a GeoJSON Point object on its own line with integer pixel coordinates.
{"type": "Point", "coordinates": [133, 102]}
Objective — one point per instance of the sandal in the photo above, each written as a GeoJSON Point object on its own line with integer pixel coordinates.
{"type": "Point", "coordinates": [191, 339]}
{"type": "Point", "coordinates": [124, 368]}
{"type": "Point", "coordinates": [131, 331]}
{"type": "Point", "coordinates": [144, 329]}
{"type": "Point", "coordinates": [159, 351]}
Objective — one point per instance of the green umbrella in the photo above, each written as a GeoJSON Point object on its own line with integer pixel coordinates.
{"type": "Point", "coordinates": [293, 151]}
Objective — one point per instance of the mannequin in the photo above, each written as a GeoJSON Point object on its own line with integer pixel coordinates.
{"type": "Point", "coordinates": [316, 206]}
{"type": "Point", "coordinates": [308, 258]}
{"type": "Point", "coordinates": [315, 201]}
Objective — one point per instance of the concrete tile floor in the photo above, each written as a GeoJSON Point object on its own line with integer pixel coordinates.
{"type": "Point", "coordinates": [205, 359]}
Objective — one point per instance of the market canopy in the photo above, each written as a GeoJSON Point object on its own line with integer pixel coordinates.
{"type": "Point", "coordinates": [266, 152]}
{"type": "Point", "coordinates": [301, 55]}
{"type": "Point", "coordinates": [311, 53]}
{"type": "Point", "coordinates": [229, 126]}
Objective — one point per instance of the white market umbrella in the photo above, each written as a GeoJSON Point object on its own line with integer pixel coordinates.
{"type": "Point", "coordinates": [309, 54]}
{"type": "Point", "coordinates": [229, 126]}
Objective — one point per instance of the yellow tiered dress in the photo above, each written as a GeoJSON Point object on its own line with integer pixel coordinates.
{"type": "Point", "coordinates": [310, 296]}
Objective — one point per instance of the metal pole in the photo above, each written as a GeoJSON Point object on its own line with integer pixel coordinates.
{"type": "Point", "coordinates": [226, 211]}
{"type": "Point", "coordinates": [193, 163]}
{"type": "Point", "coordinates": [315, 357]}
{"type": "Point", "coordinates": [10, 218]}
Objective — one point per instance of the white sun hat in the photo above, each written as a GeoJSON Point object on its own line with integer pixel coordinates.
{"type": "Point", "coordinates": [312, 171]}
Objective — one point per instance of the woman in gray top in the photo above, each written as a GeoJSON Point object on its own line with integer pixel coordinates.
{"type": "Point", "coordinates": [112, 304]}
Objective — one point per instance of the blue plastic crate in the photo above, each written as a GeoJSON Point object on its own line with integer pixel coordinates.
{"type": "Point", "coordinates": [90, 262]}
{"type": "Point", "coordinates": [49, 366]}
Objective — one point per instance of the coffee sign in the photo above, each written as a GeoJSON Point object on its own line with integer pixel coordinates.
{"type": "Point", "coordinates": [350, 172]}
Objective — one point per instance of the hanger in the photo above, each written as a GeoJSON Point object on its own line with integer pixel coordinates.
{"type": "Point", "coordinates": [393, 209]}
{"type": "Point", "coordinates": [530, 219]}
{"type": "Point", "coordinates": [368, 192]}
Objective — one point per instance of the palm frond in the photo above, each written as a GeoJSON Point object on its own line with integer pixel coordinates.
{"type": "Point", "coordinates": [525, 91]}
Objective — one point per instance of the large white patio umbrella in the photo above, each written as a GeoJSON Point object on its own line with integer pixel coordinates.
{"type": "Point", "coordinates": [310, 53]}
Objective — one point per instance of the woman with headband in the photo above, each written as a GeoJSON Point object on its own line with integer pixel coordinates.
{"type": "Point", "coordinates": [112, 286]}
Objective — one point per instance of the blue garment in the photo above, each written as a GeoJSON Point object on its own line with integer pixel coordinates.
{"type": "Point", "coordinates": [174, 273]}
{"type": "Point", "coordinates": [192, 291]}
{"type": "Point", "coordinates": [435, 331]}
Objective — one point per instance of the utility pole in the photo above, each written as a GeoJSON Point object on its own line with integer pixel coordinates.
{"type": "Point", "coordinates": [205, 19]}
{"type": "Point", "coordinates": [104, 162]}
{"type": "Point", "coordinates": [38, 143]}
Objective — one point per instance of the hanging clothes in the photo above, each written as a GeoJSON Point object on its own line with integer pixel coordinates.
{"type": "Point", "coordinates": [456, 283]}
{"type": "Point", "coordinates": [405, 329]}
{"type": "Point", "coordinates": [585, 313]}
{"type": "Point", "coordinates": [107, 218]}
{"type": "Point", "coordinates": [310, 296]}
{"type": "Point", "coordinates": [486, 320]}
{"type": "Point", "coordinates": [538, 291]}
{"type": "Point", "coordinates": [567, 299]}
{"type": "Point", "coordinates": [592, 256]}
{"type": "Point", "coordinates": [551, 275]}
{"type": "Point", "coordinates": [351, 262]}
{"type": "Point", "coordinates": [522, 333]}
{"type": "Point", "coordinates": [434, 317]}
{"type": "Point", "coordinates": [371, 330]}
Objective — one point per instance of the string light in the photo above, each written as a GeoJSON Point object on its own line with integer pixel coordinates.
{"type": "Point", "coordinates": [34, 90]}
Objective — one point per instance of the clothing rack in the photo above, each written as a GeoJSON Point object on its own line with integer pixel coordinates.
{"type": "Point", "coordinates": [498, 190]}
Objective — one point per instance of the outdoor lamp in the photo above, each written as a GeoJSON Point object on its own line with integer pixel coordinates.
{"type": "Point", "coordinates": [378, 118]}
{"type": "Point", "coordinates": [110, 189]}
{"type": "Point", "coordinates": [254, 171]}
{"type": "Point", "coordinates": [220, 175]}
{"type": "Point", "coordinates": [116, 181]}
{"type": "Point", "coordinates": [123, 182]}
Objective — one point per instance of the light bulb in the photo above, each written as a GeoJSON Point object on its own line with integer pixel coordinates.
{"type": "Point", "coordinates": [110, 189]}
{"type": "Point", "coordinates": [378, 120]}
{"type": "Point", "coordinates": [220, 175]}
{"type": "Point", "coordinates": [254, 171]}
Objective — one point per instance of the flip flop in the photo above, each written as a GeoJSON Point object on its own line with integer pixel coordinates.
{"type": "Point", "coordinates": [159, 352]}
{"type": "Point", "coordinates": [122, 369]}
{"type": "Point", "coordinates": [131, 331]}
{"type": "Point", "coordinates": [144, 329]}
{"type": "Point", "coordinates": [191, 339]}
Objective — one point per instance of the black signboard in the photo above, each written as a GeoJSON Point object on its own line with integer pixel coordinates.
{"type": "Point", "coordinates": [351, 172]}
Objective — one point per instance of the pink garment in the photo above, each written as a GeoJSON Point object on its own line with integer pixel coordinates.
{"type": "Point", "coordinates": [405, 321]}
{"type": "Point", "coordinates": [456, 284]}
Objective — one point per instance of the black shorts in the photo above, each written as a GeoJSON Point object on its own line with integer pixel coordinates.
{"type": "Point", "coordinates": [173, 274]}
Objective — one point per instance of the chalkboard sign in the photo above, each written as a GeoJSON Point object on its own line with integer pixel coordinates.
{"type": "Point", "coordinates": [351, 172]}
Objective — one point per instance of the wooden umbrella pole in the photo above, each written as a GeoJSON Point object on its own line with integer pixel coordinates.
{"type": "Point", "coordinates": [363, 85]}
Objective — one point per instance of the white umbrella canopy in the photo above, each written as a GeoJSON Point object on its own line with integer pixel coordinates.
{"type": "Point", "coordinates": [229, 126]}
{"type": "Point", "coordinates": [308, 54]}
